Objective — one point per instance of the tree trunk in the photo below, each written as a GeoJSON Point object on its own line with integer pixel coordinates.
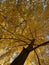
{"type": "Point", "coordinates": [21, 58]}
{"type": "Point", "coordinates": [23, 55]}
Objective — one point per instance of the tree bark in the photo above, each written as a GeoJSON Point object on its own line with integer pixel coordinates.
{"type": "Point", "coordinates": [21, 58]}
{"type": "Point", "coordinates": [23, 55]}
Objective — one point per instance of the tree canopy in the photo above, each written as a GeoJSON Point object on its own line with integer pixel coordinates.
{"type": "Point", "coordinates": [20, 21]}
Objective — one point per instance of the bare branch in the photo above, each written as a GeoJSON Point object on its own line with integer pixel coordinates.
{"type": "Point", "coordinates": [43, 44]}
{"type": "Point", "coordinates": [17, 40]}
{"type": "Point", "coordinates": [15, 34]}
{"type": "Point", "coordinates": [37, 57]}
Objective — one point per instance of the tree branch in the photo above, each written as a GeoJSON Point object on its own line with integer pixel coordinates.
{"type": "Point", "coordinates": [43, 44]}
{"type": "Point", "coordinates": [37, 57]}
{"type": "Point", "coordinates": [15, 34]}
{"type": "Point", "coordinates": [17, 40]}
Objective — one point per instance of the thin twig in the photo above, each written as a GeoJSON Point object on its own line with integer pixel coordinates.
{"type": "Point", "coordinates": [37, 57]}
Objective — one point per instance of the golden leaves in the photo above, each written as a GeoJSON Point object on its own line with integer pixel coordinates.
{"type": "Point", "coordinates": [18, 19]}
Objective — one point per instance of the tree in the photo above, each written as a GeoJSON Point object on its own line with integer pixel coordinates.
{"type": "Point", "coordinates": [20, 22]}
